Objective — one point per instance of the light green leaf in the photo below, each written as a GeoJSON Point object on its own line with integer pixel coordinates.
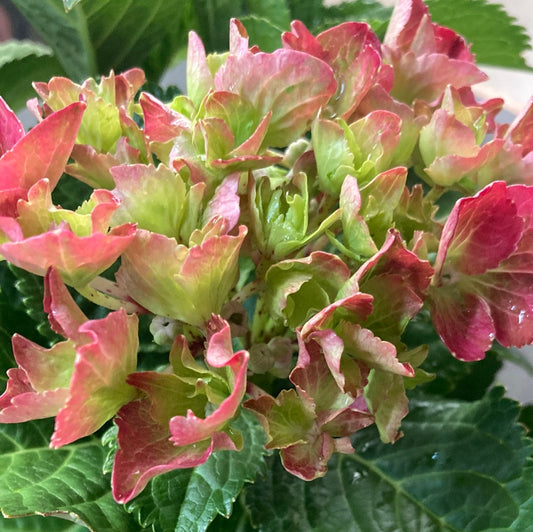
{"type": "Point", "coordinates": [35, 479]}
{"type": "Point", "coordinates": [69, 4]}
{"type": "Point", "coordinates": [496, 37]}
{"type": "Point", "coordinates": [21, 63]}
{"type": "Point", "coordinates": [16, 50]}
{"type": "Point", "coordinates": [460, 466]}
{"type": "Point", "coordinates": [39, 524]}
{"type": "Point", "coordinates": [187, 500]}
{"type": "Point", "coordinates": [65, 33]}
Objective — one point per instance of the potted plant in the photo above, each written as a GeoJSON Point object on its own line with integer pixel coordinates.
{"type": "Point", "coordinates": [275, 302]}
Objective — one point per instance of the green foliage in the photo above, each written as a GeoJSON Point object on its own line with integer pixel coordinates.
{"type": "Point", "coordinates": [460, 466]}
{"type": "Point", "coordinates": [65, 34]}
{"type": "Point", "coordinates": [27, 294]}
{"type": "Point", "coordinates": [496, 37]}
{"type": "Point", "coordinates": [21, 63]}
{"type": "Point", "coordinates": [189, 499]}
{"type": "Point", "coordinates": [90, 38]}
{"type": "Point", "coordinates": [39, 524]}
{"type": "Point", "coordinates": [35, 479]}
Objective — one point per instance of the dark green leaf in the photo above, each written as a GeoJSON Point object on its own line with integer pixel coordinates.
{"type": "Point", "coordinates": [526, 417]}
{"type": "Point", "coordinates": [275, 11]}
{"type": "Point", "coordinates": [213, 18]}
{"type": "Point", "coordinates": [70, 193]}
{"type": "Point", "coordinates": [370, 11]}
{"type": "Point", "coordinates": [124, 33]}
{"type": "Point", "coordinates": [31, 290]}
{"type": "Point", "coordinates": [460, 466]}
{"type": "Point", "coordinates": [496, 37]}
{"type": "Point", "coordinates": [68, 482]}
{"type": "Point", "coordinates": [65, 33]}
{"type": "Point", "coordinates": [187, 500]}
{"type": "Point", "coordinates": [239, 520]}
{"type": "Point", "coordinates": [262, 33]}
{"type": "Point", "coordinates": [310, 12]}
{"type": "Point", "coordinates": [21, 63]}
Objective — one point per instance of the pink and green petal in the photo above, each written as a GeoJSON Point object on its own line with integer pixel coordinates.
{"type": "Point", "coordinates": [187, 284]}
{"type": "Point", "coordinates": [161, 123]}
{"type": "Point", "coordinates": [286, 419]}
{"type": "Point", "coordinates": [47, 369]}
{"type": "Point", "coordinates": [291, 84]}
{"type": "Point", "coordinates": [480, 232]}
{"type": "Point", "coordinates": [521, 130]}
{"type": "Point", "coordinates": [78, 259]}
{"type": "Point", "coordinates": [154, 198]}
{"type": "Point", "coordinates": [298, 286]}
{"type": "Point", "coordinates": [199, 77]}
{"type": "Point", "coordinates": [319, 374]}
{"type": "Point", "coordinates": [426, 57]}
{"type": "Point", "coordinates": [355, 307]}
{"type": "Point", "coordinates": [20, 402]}
{"type": "Point", "coordinates": [145, 451]}
{"type": "Point", "coordinates": [309, 460]}
{"type": "Point", "coordinates": [463, 322]}
{"type": "Point", "coordinates": [374, 352]}
{"type": "Point", "coordinates": [385, 396]}
{"type": "Point", "coordinates": [190, 429]}
{"type": "Point", "coordinates": [225, 202]}
{"type": "Point", "coordinates": [43, 151]}
{"type": "Point", "coordinates": [98, 388]}
{"type": "Point", "coordinates": [483, 271]}
{"type": "Point", "coordinates": [64, 315]}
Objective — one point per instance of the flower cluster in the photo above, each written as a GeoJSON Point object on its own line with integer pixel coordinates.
{"type": "Point", "coordinates": [280, 227]}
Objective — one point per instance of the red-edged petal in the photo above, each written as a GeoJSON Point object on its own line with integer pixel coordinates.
{"type": "Point", "coordinates": [98, 387]}
{"type": "Point", "coordinates": [11, 128]}
{"type": "Point", "coordinates": [44, 151]}
{"type": "Point", "coordinates": [145, 451]}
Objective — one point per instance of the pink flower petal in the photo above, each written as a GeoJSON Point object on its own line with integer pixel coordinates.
{"type": "Point", "coordinates": [98, 386]}
{"type": "Point", "coordinates": [44, 151]}
{"type": "Point", "coordinates": [11, 128]}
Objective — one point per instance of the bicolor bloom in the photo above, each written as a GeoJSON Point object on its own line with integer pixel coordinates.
{"type": "Point", "coordinates": [81, 380]}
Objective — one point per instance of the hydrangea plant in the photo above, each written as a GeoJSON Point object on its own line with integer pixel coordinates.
{"type": "Point", "coordinates": [246, 276]}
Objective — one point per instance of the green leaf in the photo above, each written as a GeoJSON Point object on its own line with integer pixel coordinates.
{"type": "Point", "coordinates": [262, 33]}
{"type": "Point", "coordinates": [35, 479]}
{"type": "Point", "coordinates": [39, 524]}
{"type": "Point", "coordinates": [371, 11]}
{"type": "Point", "coordinates": [69, 4]}
{"type": "Point", "coordinates": [124, 33]}
{"type": "Point", "coordinates": [460, 466]}
{"type": "Point", "coordinates": [213, 21]}
{"type": "Point", "coordinates": [275, 11]}
{"type": "Point", "coordinates": [187, 500]}
{"type": "Point", "coordinates": [310, 12]}
{"type": "Point", "coordinates": [495, 36]}
{"type": "Point", "coordinates": [31, 290]}
{"type": "Point", "coordinates": [21, 63]}
{"type": "Point", "coordinates": [65, 33]}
